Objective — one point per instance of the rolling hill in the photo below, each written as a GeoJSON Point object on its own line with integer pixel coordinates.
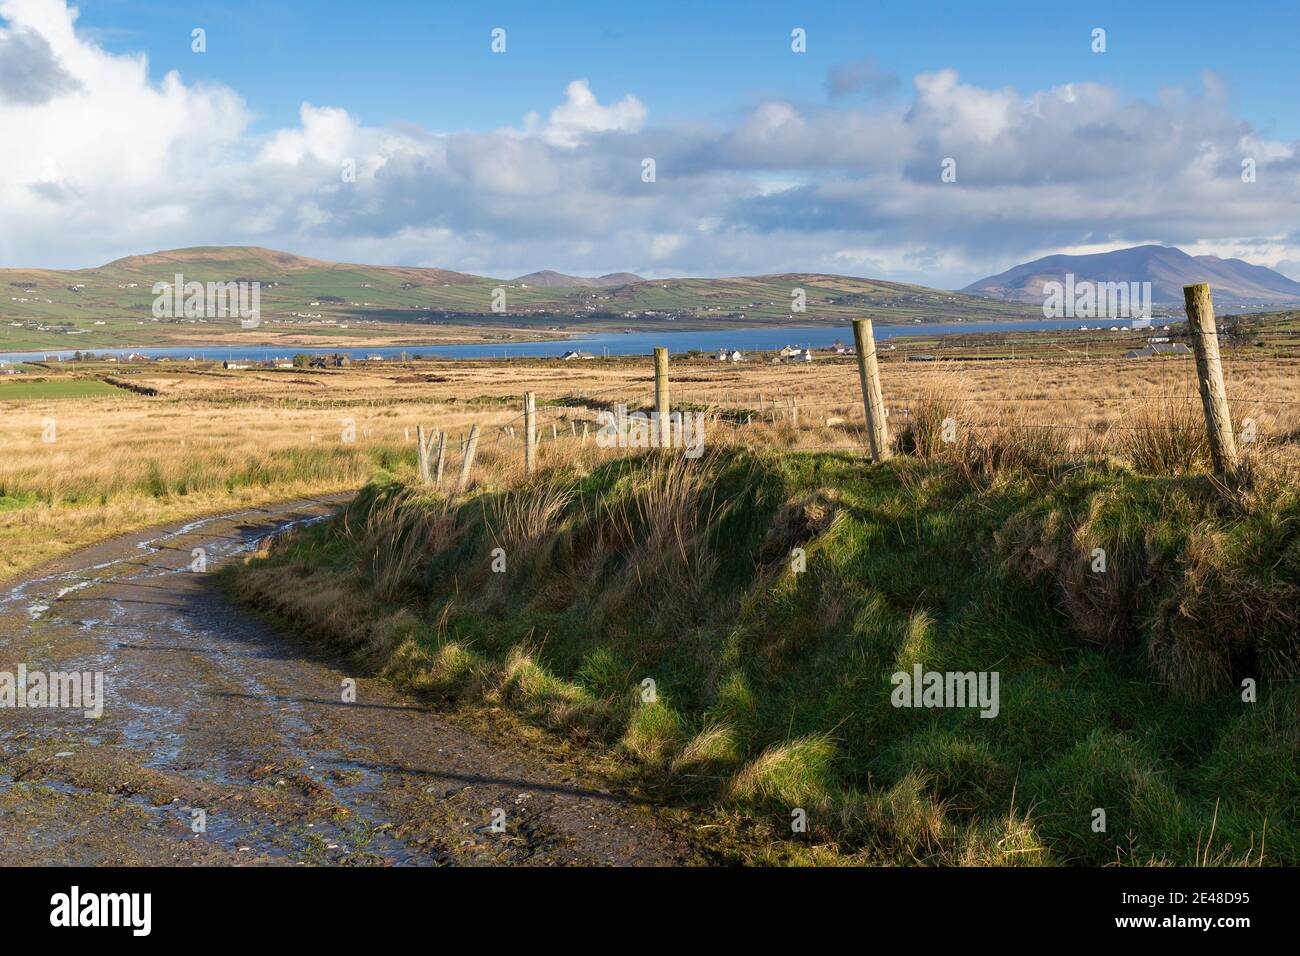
{"type": "Point", "coordinates": [112, 304]}
{"type": "Point", "coordinates": [1168, 269]}
{"type": "Point", "coordinates": [549, 279]}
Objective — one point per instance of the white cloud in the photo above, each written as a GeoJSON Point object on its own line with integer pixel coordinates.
{"type": "Point", "coordinates": [960, 113]}
{"type": "Point", "coordinates": [581, 113]}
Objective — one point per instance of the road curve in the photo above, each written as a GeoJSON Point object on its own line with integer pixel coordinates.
{"type": "Point", "coordinates": [223, 743]}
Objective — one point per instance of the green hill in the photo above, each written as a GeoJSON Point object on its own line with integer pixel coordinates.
{"type": "Point", "coordinates": [112, 304]}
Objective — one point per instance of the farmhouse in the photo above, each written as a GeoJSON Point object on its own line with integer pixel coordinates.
{"type": "Point", "coordinates": [572, 354]}
{"type": "Point", "coordinates": [1159, 348]}
{"type": "Point", "coordinates": [732, 356]}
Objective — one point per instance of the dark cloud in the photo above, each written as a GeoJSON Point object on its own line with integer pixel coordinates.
{"type": "Point", "coordinates": [29, 73]}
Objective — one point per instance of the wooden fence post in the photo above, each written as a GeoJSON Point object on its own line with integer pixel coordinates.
{"type": "Point", "coordinates": [1209, 374]}
{"type": "Point", "coordinates": [442, 453]}
{"type": "Point", "coordinates": [661, 397]}
{"type": "Point", "coordinates": [422, 453]}
{"type": "Point", "coordinates": [467, 462]}
{"type": "Point", "coordinates": [530, 433]}
{"type": "Point", "coordinates": [864, 341]}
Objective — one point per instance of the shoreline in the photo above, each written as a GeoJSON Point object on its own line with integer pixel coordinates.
{"type": "Point", "coordinates": [754, 338]}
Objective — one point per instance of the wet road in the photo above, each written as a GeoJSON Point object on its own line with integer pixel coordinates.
{"type": "Point", "coordinates": [221, 742]}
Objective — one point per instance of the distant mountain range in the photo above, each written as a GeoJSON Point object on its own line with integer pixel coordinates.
{"type": "Point", "coordinates": [300, 291]}
{"type": "Point", "coordinates": [549, 279]}
{"type": "Point", "coordinates": [1168, 269]}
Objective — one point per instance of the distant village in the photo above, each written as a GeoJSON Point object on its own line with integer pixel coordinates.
{"type": "Point", "coordinates": [1156, 345]}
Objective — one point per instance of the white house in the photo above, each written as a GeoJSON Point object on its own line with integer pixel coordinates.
{"type": "Point", "coordinates": [572, 354]}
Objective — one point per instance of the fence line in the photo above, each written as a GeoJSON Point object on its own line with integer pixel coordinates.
{"type": "Point", "coordinates": [866, 434]}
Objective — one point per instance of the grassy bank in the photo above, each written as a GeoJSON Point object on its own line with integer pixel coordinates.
{"type": "Point", "coordinates": [1119, 690]}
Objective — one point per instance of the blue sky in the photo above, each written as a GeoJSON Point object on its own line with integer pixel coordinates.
{"type": "Point", "coordinates": [429, 62]}
{"type": "Point", "coordinates": [766, 160]}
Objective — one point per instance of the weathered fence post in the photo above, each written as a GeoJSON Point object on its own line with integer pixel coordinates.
{"type": "Point", "coordinates": [422, 453]}
{"type": "Point", "coordinates": [530, 433]}
{"type": "Point", "coordinates": [794, 413]}
{"type": "Point", "coordinates": [864, 341]}
{"type": "Point", "coordinates": [1209, 374]}
{"type": "Point", "coordinates": [442, 453]}
{"type": "Point", "coordinates": [467, 462]}
{"type": "Point", "coordinates": [661, 397]}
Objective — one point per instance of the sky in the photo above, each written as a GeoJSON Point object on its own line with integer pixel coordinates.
{"type": "Point", "coordinates": [932, 143]}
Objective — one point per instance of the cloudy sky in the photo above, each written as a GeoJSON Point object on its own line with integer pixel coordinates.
{"type": "Point", "coordinates": [117, 137]}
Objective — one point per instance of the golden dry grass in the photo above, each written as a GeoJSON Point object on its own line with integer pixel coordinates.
{"type": "Point", "coordinates": [214, 439]}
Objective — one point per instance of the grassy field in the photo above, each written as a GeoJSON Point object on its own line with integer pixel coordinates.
{"type": "Point", "coordinates": [35, 388]}
{"type": "Point", "coordinates": [211, 438]}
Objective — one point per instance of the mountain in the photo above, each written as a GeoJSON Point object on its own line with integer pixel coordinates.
{"type": "Point", "coordinates": [548, 279]}
{"type": "Point", "coordinates": [216, 262]}
{"type": "Point", "coordinates": [1168, 269]}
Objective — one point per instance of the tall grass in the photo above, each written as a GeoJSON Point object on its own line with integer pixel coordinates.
{"type": "Point", "coordinates": [771, 684]}
{"type": "Point", "coordinates": [1165, 437]}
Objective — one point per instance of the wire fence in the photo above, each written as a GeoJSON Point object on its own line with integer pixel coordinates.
{"type": "Point", "coordinates": [729, 403]}
{"type": "Point", "coordinates": [590, 423]}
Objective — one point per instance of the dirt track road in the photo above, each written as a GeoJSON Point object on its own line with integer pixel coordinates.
{"type": "Point", "coordinates": [210, 717]}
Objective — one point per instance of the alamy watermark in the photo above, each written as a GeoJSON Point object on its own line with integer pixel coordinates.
{"type": "Point", "coordinates": [619, 429]}
{"type": "Point", "coordinates": [212, 300]}
{"type": "Point", "coordinates": [75, 690]}
{"type": "Point", "coordinates": [1096, 300]}
{"type": "Point", "coordinates": [923, 688]}
{"type": "Point", "coordinates": [75, 908]}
